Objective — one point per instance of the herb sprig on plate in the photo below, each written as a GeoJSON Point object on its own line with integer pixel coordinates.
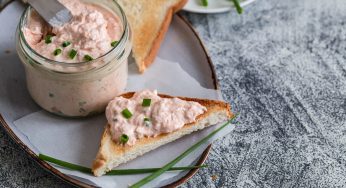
{"type": "Point", "coordinates": [180, 157]}
{"type": "Point", "coordinates": [112, 172]}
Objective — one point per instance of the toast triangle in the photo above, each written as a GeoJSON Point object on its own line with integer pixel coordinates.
{"type": "Point", "coordinates": [111, 154]}
{"type": "Point", "coordinates": [149, 21]}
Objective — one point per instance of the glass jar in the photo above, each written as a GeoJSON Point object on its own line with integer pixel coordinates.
{"type": "Point", "coordinates": [76, 89]}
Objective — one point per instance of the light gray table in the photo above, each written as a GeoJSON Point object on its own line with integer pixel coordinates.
{"type": "Point", "coordinates": [282, 66]}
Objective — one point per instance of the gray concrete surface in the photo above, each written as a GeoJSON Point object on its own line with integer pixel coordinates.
{"type": "Point", "coordinates": [282, 66]}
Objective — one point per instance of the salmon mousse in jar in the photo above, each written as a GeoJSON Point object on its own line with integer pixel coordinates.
{"type": "Point", "coordinates": [74, 70]}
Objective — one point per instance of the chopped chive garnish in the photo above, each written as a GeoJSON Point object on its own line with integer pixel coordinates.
{"type": "Point", "coordinates": [112, 172]}
{"type": "Point", "coordinates": [147, 122]}
{"type": "Point", "coordinates": [237, 6]}
{"type": "Point", "coordinates": [126, 113]}
{"type": "Point", "coordinates": [114, 43]}
{"type": "Point", "coordinates": [146, 102]}
{"type": "Point", "coordinates": [57, 51]}
{"type": "Point", "coordinates": [181, 156]}
{"type": "Point", "coordinates": [88, 58]}
{"type": "Point", "coordinates": [66, 43]}
{"type": "Point", "coordinates": [124, 138]}
{"type": "Point", "coordinates": [204, 3]}
{"type": "Point", "coordinates": [48, 39]}
{"type": "Point", "coordinates": [72, 53]}
{"type": "Point", "coordinates": [81, 103]}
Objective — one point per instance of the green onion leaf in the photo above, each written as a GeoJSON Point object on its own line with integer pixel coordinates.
{"type": "Point", "coordinates": [88, 58]}
{"type": "Point", "coordinates": [48, 39]}
{"type": "Point", "coordinates": [181, 156]}
{"type": "Point", "coordinates": [114, 43]}
{"type": "Point", "coordinates": [57, 51]}
{"type": "Point", "coordinates": [66, 43]}
{"type": "Point", "coordinates": [146, 102]}
{"type": "Point", "coordinates": [72, 53]}
{"type": "Point", "coordinates": [146, 119]}
{"type": "Point", "coordinates": [204, 2]}
{"type": "Point", "coordinates": [126, 113]}
{"type": "Point", "coordinates": [237, 6]}
{"type": "Point", "coordinates": [112, 172]}
{"type": "Point", "coordinates": [124, 138]}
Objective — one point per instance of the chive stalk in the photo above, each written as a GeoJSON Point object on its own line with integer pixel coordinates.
{"type": "Point", "coordinates": [48, 39]}
{"type": "Point", "coordinates": [147, 122]}
{"type": "Point", "coordinates": [237, 6]}
{"type": "Point", "coordinates": [181, 156]}
{"type": "Point", "coordinates": [112, 172]}
{"type": "Point", "coordinates": [88, 58]}
{"type": "Point", "coordinates": [114, 43]}
{"type": "Point", "coordinates": [146, 102]}
{"type": "Point", "coordinates": [204, 3]}
{"type": "Point", "coordinates": [64, 164]}
{"type": "Point", "coordinates": [149, 170]}
{"type": "Point", "coordinates": [57, 51]}
{"type": "Point", "coordinates": [72, 53]}
{"type": "Point", "coordinates": [124, 138]}
{"type": "Point", "coordinates": [235, 2]}
{"type": "Point", "coordinates": [126, 113]}
{"type": "Point", "coordinates": [66, 43]}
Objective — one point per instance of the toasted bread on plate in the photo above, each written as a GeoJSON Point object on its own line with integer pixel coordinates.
{"type": "Point", "coordinates": [112, 154]}
{"type": "Point", "coordinates": [149, 21]}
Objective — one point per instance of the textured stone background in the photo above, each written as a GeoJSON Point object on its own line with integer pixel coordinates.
{"type": "Point", "coordinates": [282, 66]}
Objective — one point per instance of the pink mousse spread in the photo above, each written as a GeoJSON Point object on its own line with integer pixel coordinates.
{"type": "Point", "coordinates": [163, 115]}
{"type": "Point", "coordinates": [90, 33]}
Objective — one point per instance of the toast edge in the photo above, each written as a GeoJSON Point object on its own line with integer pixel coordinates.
{"type": "Point", "coordinates": [148, 60]}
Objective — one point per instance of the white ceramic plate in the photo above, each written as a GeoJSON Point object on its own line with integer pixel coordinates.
{"type": "Point", "coordinates": [214, 6]}
{"type": "Point", "coordinates": [181, 45]}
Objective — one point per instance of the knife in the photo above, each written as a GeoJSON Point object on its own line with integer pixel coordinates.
{"type": "Point", "coordinates": [52, 11]}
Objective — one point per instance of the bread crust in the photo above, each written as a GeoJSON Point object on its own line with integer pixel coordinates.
{"type": "Point", "coordinates": [102, 158]}
{"type": "Point", "coordinates": [149, 59]}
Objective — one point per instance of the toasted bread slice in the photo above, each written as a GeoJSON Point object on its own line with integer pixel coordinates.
{"type": "Point", "coordinates": [149, 21]}
{"type": "Point", "coordinates": [111, 154]}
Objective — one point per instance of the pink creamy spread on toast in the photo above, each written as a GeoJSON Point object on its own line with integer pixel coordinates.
{"type": "Point", "coordinates": [90, 32]}
{"type": "Point", "coordinates": [163, 115]}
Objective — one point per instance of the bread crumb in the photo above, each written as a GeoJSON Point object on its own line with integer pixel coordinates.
{"type": "Point", "coordinates": [213, 177]}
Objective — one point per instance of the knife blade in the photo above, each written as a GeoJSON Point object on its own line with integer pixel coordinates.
{"type": "Point", "coordinates": [52, 11]}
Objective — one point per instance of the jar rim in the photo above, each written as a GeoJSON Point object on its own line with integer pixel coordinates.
{"type": "Point", "coordinates": [75, 64]}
